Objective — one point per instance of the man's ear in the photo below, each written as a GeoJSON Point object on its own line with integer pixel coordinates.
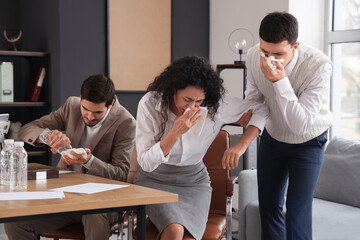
{"type": "Point", "coordinates": [111, 104]}
{"type": "Point", "coordinates": [296, 45]}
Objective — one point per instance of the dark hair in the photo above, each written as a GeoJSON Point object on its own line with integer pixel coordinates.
{"type": "Point", "coordinates": [98, 89]}
{"type": "Point", "coordinates": [184, 72]}
{"type": "Point", "coordinates": [279, 26]}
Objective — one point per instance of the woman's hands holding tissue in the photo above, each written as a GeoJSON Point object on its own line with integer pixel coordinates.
{"type": "Point", "coordinates": [183, 123]}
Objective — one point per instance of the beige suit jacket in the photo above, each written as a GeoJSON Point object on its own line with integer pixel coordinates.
{"type": "Point", "coordinates": [111, 148]}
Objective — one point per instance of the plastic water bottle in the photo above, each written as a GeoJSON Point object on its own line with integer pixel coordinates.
{"type": "Point", "coordinates": [45, 138]}
{"type": "Point", "coordinates": [6, 156]}
{"type": "Point", "coordinates": [18, 167]}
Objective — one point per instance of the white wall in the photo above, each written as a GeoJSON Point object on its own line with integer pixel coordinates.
{"type": "Point", "coordinates": [310, 15]}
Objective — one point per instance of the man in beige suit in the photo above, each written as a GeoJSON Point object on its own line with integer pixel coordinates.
{"type": "Point", "coordinates": [106, 130]}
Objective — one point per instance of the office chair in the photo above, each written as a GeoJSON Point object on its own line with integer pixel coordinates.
{"type": "Point", "coordinates": [220, 213]}
{"type": "Point", "coordinates": [76, 230]}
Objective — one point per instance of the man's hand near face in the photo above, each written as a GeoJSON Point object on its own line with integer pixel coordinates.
{"type": "Point", "coordinates": [272, 75]}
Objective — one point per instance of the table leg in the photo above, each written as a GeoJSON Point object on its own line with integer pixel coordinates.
{"type": "Point", "coordinates": [141, 223]}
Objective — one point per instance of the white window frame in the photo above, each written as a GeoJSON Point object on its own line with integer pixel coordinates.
{"type": "Point", "coordinates": [332, 37]}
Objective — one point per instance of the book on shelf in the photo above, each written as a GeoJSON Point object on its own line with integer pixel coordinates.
{"type": "Point", "coordinates": [36, 84]}
{"type": "Point", "coordinates": [6, 82]}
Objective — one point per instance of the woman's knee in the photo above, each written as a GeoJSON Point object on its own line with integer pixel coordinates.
{"type": "Point", "coordinates": [173, 230]}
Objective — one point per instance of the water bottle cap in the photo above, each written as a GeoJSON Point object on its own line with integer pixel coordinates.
{"type": "Point", "coordinates": [8, 141]}
{"type": "Point", "coordinates": [18, 144]}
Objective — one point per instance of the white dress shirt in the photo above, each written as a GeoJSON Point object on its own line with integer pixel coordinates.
{"type": "Point", "coordinates": [189, 148]}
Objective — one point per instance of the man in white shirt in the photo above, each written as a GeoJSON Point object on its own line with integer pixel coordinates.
{"type": "Point", "coordinates": [293, 80]}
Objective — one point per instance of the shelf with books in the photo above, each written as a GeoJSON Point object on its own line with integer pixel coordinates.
{"type": "Point", "coordinates": [31, 88]}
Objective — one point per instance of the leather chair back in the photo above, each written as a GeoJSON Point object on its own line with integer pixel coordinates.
{"type": "Point", "coordinates": [218, 176]}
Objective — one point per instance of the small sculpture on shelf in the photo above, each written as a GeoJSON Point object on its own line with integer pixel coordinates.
{"type": "Point", "coordinates": [12, 37]}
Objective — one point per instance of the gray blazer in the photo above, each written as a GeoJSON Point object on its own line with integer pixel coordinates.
{"type": "Point", "coordinates": [112, 146]}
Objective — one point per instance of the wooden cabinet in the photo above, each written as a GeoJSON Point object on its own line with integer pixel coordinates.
{"type": "Point", "coordinates": [25, 65]}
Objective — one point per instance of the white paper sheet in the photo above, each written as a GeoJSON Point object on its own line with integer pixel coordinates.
{"type": "Point", "coordinates": [65, 171]}
{"type": "Point", "coordinates": [89, 188]}
{"type": "Point", "coordinates": [30, 195]}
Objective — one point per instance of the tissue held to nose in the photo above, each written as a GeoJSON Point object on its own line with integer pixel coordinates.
{"type": "Point", "coordinates": [271, 59]}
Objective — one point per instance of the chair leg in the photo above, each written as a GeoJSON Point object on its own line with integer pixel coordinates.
{"type": "Point", "coordinates": [121, 225]}
{"type": "Point", "coordinates": [228, 218]}
{"type": "Point", "coordinates": [130, 224]}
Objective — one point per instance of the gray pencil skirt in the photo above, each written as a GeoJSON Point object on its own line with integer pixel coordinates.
{"type": "Point", "coordinates": [192, 184]}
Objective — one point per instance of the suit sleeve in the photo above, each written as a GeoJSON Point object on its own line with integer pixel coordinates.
{"type": "Point", "coordinates": [30, 132]}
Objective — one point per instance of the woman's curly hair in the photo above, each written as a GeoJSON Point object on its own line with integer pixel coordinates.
{"type": "Point", "coordinates": [187, 71]}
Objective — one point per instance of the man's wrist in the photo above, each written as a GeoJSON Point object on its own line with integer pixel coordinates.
{"type": "Point", "coordinates": [89, 162]}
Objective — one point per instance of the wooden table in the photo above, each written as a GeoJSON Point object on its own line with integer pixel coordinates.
{"type": "Point", "coordinates": [128, 198]}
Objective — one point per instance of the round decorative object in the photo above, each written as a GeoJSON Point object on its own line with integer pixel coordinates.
{"type": "Point", "coordinates": [240, 40]}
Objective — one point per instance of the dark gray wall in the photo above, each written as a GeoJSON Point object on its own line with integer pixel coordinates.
{"type": "Point", "coordinates": [83, 48]}
{"type": "Point", "coordinates": [190, 28]}
{"type": "Point", "coordinates": [9, 19]}
{"type": "Point", "coordinates": [39, 20]}
{"type": "Point", "coordinates": [75, 35]}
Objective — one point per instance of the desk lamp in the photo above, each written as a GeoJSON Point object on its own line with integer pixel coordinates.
{"type": "Point", "coordinates": [240, 40]}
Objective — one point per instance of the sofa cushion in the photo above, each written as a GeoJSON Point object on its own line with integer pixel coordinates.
{"type": "Point", "coordinates": [330, 221]}
{"type": "Point", "coordinates": [335, 221]}
{"type": "Point", "coordinates": [339, 178]}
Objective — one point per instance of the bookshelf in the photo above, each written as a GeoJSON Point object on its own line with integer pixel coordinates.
{"type": "Point", "coordinates": [25, 64]}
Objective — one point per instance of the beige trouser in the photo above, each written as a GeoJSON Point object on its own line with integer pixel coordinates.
{"type": "Point", "coordinates": [96, 226]}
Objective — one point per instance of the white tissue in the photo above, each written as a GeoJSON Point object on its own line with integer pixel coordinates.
{"type": "Point", "coordinates": [197, 128]}
{"type": "Point", "coordinates": [80, 151]}
{"type": "Point", "coordinates": [271, 59]}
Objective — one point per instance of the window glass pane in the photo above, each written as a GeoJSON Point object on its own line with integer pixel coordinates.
{"type": "Point", "coordinates": [346, 14]}
{"type": "Point", "coordinates": [346, 89]}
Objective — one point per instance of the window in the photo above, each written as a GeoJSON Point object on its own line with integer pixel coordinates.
{"type": "Point", "coordinates": [342, 37]}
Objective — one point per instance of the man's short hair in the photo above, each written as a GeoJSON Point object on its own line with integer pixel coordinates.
{"type": "Point", "coordinates": [279, 26]}
{"type": "Point", "coordinates": [98, 89]}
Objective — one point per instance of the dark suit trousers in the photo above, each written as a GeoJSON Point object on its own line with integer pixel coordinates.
{"type": "Point", "coordinates": [298, 165]}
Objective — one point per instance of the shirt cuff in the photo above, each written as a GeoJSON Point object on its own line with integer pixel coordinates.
{"type": "Point", "coordinates": [163, 158]}
{"type": "Point", "coordinates": [257, 121]}
{"type": "Point", "coordinates": [89, 163]}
